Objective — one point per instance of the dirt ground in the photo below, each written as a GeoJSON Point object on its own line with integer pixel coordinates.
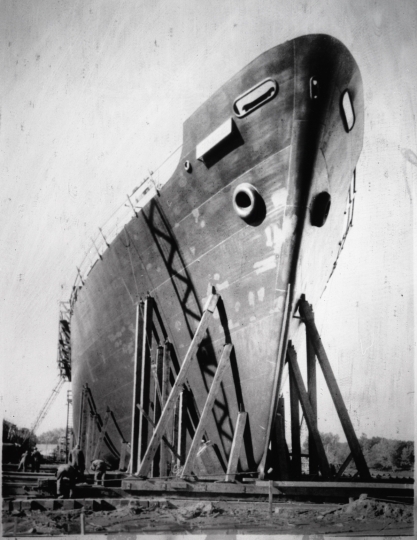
{"type": "Point", "coordinates": [361, 517]}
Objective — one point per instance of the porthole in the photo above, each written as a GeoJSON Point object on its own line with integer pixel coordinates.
{"type": "Point", "coordinates": [320, 209]}
{"type": "Point", "coordinates": [348, 113]}
{"type": "Point", "coordinates": [255, 97]}
{"type": "Point", "coordinates": [249, 204]}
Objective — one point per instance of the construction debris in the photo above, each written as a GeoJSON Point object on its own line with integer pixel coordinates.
{"type": "Point", "coordinates": [162, 515]}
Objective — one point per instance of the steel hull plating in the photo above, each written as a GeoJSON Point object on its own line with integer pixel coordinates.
{"type": "Point", "coordinates": [189, 239]}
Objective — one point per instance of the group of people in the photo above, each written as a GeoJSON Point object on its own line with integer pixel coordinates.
{"type": "Point", "coordinates": [30, 459]}
{"type": "Point", "coordinates": [69, 474]}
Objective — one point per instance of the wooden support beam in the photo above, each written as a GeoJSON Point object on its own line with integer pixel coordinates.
{"type": "Point", "coordinates": [166, 366]}
{"type": "Point", "coordinates": [344, 466]}
{"type": "Point", "coordinates": [308, 316]}
{"type": "Point", "coordinates": [134, 433]}
{"type": "Point", "coordinates": [81, 420]}
{"type": "Point", "coordinates": [101, 436]}
{"type": "Point", "coordinates": [182, 432]}
{"type": "Point", "coordinates": [214, 388]}
{"type": "Point", "coordinates": [145, 375]}
{"type": "Point", "coordinates": [279, 368]}
{"type": "Point", "coordinates": [182, 375]}
{"type": "Point", "coordinates": [236, 447]}
{"type": "Point", "coordinates": [91, 437]}
{"type": "Point", "coordinates": [295, 375]}
{"type": "Point", "coordinates": [295, 429]}
{"type": "Point", "coordinates": [170, 446]}
{"type": "Point", "coordinates": [87, 453]}
{"type": "Point", "coordinates": [117, 426]}
{"type": "Point", "coordinates": [283, 461]}
{"type": "Point", "coordinates": [123, 453]}
{"type": "Point", "coordinates": [157, 372]}
{"type": "Point", "coordinates": [312, 395]}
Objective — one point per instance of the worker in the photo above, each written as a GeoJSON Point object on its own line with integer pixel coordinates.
{"type": "Point", "coordinates": [99, 468]}
{"type": "Point", "coordinates": [78, 461]}
{"type": "Point", "coordinates": [36, 460]}
{"type": "Point", "coordinates": [25, 461]}
{"type": "Point", "coordinates": [65, 481]}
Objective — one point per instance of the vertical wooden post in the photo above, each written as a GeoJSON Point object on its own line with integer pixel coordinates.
{"type": "Point", "coordinates": [100, 439]}
{"type": "Point", "coordinates": [87, 437]}
{"type": "Point", "coordinates": [182, 375]}
{"type": "Point", "coordinates": [295, 429]}
{"type": "Point", "coordinates": [166, 365]}
{"type": "Point", "coordinates": [312, 394]}
{"type": "Point", "coordinates": [295, 375]}
{"type": "Point", "coordinates": [81, 418]}
{"type": "Point", "coordinates": [90, 438]}
{"type": "Point", "coordinates": [158, 367]}
{"type": "Point", "coordinates": [134, 433]}
{"type": "Point", "coordinates": [281, 445]}
{"type": "Point", "coordinates": [308, 316]}
{"type": "Point", "coordinates": [84, 421]}
{"type": "Point", "coordinates": [145, 376]}
{"type": "Point", "coordinates": [182, 432]}
{"type": "Point", "coordinates": [94, 436]}
{"type": "Point", "coordinates": [123, 452]}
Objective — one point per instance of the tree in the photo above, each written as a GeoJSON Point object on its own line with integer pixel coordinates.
{"type": "Point", "coordinates": [52, 436]}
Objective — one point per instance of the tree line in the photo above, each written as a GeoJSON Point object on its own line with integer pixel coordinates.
{"type": "Point", "coordinates": [380, 453]}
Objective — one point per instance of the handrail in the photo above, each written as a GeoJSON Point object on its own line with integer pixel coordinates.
{"type": "Point", "coordinates": [123, 214]}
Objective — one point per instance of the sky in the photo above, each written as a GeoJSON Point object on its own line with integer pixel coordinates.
{"type": "Point", "coordinates": [93, 97]}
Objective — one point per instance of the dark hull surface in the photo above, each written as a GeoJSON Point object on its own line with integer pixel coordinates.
{"type": "Point", "coordinates": [189, 239]}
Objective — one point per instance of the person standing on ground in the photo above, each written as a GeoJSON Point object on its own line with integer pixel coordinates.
{"type": "Point", "coordinates": [36, 460]}
{"type": "Point", "coordinates": [99, 468]}
{"type": "Point", "coordinates": [78, 461]}
{"type": "Point", "coordinates": [24, 461]}
{"type": "Point", "coordinates": [65, 481]}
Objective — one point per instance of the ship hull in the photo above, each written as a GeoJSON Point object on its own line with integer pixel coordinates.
{"type": "Point", "coordinates": [189, 239]}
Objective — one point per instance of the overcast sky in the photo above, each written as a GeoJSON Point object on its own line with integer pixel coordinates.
{"type": "Point", "coordinates": [94, 95]}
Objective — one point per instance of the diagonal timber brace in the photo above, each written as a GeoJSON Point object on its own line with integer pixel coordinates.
{"type": "Point", "coordinates": [182, 375]}
{"type": "Point", "coordinates": [215, 385]}
{"type": "Point", "coordinates": [237, 445]}
{"type": "Point", "coordinates": [307, 315]}
{"type": "Point", "coordinates": [295, 375]}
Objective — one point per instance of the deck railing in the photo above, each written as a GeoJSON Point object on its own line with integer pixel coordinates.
{"type": "Point", "coordinates": [131, 207]}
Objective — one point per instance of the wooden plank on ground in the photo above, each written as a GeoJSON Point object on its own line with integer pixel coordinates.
{"type": "Point", "coordinates": [236, 447]}
{"type": "Point", "coordinates": [308, 316]}
{"type": "Point", "coordinates": [308, 413]}
{"type": "Point", "coordinates": [182, 375]}
{"type": "Point", "coordinates": [208, 406]}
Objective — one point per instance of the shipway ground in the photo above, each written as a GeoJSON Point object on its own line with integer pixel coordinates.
{"type": "Point", "coordinates": [364, 516]}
